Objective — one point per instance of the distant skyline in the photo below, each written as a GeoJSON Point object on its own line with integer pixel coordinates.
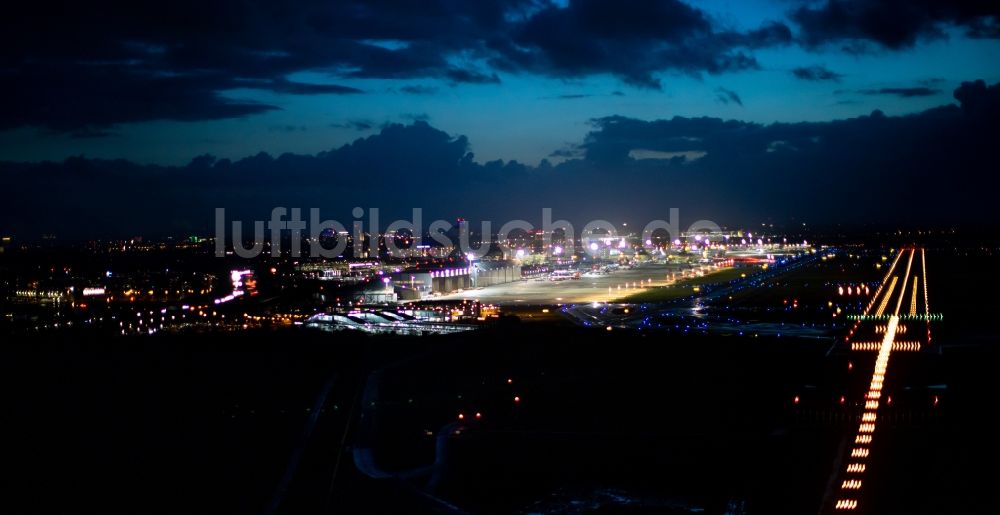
{"type": "Point", "coordinates": [522, 79]}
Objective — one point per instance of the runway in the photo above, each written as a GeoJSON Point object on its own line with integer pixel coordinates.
{"type": "Point", "coordinates": [897, 320]}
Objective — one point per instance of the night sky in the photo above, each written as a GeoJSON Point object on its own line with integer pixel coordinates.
{"type": "Point", "coordinates": [122, 118]}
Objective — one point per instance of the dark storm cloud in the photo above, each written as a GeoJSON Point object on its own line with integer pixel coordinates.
{"type": "Point", "coordinates": [85, 98]}
{"type": "Point", "coordinates": [632, 40]}
{"type": "Point", "coordinates": [91, 65]}
{"type": "Point", "coordinates": [358, 125]}
{"type": "Point", "coordinates": [919, 91]}
{"type": "Point", "coordinates": [94, 64]}
{"type": "Point", "coordinates": [979, 99]}
{"type": "Point", "coordinates": [418, 90]}
{"type": "Point", "coordinates": [90, 133]}
{"type": "Point", "coordinates": [459, 75]}
{"type": "Point", "coordinates": [942, 157]}
{"type": "Point", "coordinates": [281, 85]}
{"type": "Point", "coordinates": [893, 24]}
{"type": "Point", "coordinates": [569, 152]}
{"type": "Point", "coordinates": [816, 73]}
{"type": "Point", "coordinates": [937, 165]}
{"type": "Point", "coordinates": [726, 96]}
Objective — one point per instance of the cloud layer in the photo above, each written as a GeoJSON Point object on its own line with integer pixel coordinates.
{"type": "Point", "coordinates": [816, 73]}
{"type": "Point", "coordinates": [105, 62]}
{"type": "Point", "coordinates": [934, 167]}
{"type": "Point", "coordinates": [893, 24]}
{"type": "Point", "coordinates": [99, 63]}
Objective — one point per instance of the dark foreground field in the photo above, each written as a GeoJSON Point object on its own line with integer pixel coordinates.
{"type": "Point", "coordinates": [605, 422]}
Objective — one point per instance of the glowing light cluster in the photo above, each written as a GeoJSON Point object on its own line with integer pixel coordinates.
{"type": "Point", "coordinates": [906, 346]}
{"type": "Point", "coordinates": [927, 305]}
{"type": "Point", "coordinates": [851, 484]}
{"type": "Point", "coordinates": [853, 290]}
{"type": "Point", "coordinates": [871, 302]}
{"type": "Point", "coordinates": [451, 272]}
{"type": "Point", "coordinates": [927, 316]}
{"type": "Point", "coordinates": [888, 295]}
{"type": "Point", "coordinates": [846, 504]}
{"type": "Point", "coordinates": [867, 427]}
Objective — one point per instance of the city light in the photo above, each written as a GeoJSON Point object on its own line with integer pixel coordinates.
{"type": "Point", "coordinates": [263, 256]}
